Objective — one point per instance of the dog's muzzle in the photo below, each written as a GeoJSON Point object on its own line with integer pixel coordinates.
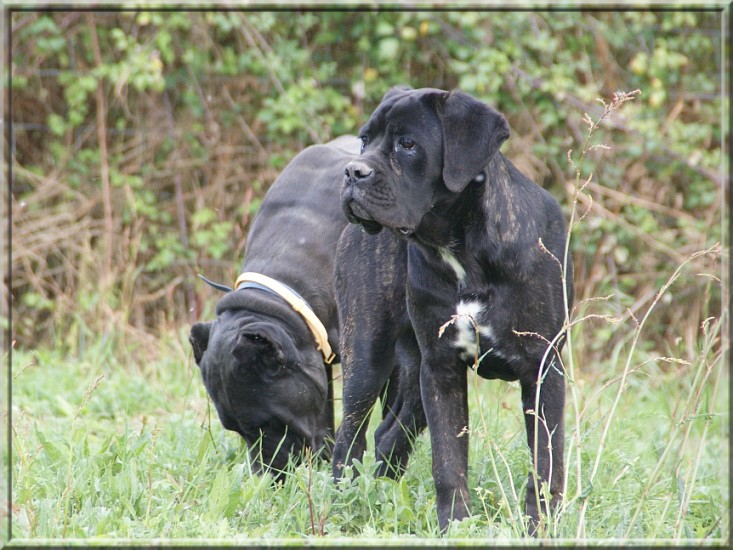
{"type": "Point", "coordinates": [358, 170]}
{"type": "Point", "coordinates": [357, 176]}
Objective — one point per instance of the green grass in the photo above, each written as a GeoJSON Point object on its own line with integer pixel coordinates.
{"type": "Point", "coordinates": [108, 445]}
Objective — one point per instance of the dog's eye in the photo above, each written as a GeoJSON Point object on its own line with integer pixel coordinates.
{"type": "Point", "coordinates": [407, 143]}
{"type": "Point", "coordinates": [363, 142]}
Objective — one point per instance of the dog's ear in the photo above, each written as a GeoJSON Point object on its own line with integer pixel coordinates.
{"type": "Point", "coordinates": [472, 134]}
{"type": "Point", "coordinates": [199, 338]}
{"type": "Point", "coordinates": [257, 350]}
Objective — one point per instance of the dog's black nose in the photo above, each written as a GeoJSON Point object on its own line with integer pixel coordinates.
{"type": "Point", "coordinates": [357, 170]}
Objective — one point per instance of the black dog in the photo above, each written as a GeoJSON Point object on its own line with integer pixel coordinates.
{"type": "Point", "coordinates": [260, 359]}
{"type": "Point", "coordinates": [475, 252]}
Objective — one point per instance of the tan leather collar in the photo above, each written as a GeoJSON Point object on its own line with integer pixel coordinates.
{"type": "Point", "coordinates": [298, 304]}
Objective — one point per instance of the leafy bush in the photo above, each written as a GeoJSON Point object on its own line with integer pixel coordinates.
{"type": "Point", "coordinates": [202, 109]}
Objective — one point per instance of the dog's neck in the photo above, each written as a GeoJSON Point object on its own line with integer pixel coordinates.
{"type": "Point", "coordinates": [489, 221]}
{"type": "Point", "coordinates": [454, 213]}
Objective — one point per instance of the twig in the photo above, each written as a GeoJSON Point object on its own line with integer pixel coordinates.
{"type": "Point", "coordinates": [246, 128]}
{"type": "Point", "coordinates": [103, 154]}
{"type": "Point", "coordinates": [477, 335]}
{"type": "Point", "coordinates": [308, 491]}
{"type": "Point", "coordinates": [180, 209]}
{"type": "Point", "coordinates": [619, 124]}
{"type": "Point", "coordinates": [659, 246]}
{"type": "Point", "coordinates": [641, 202]}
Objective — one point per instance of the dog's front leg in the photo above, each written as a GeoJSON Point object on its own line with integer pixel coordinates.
{"type": "Point", "coordinates": [404, 418]}
{"type": "Point", "coordinates": [543, 401]}
{"type": "Point", "coordinates": [444, 395]}
{"type": "Point", "coordinates": [367, 365]}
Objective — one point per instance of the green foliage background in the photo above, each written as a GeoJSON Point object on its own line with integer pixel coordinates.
{"type": "Point", "coordinates": [141, 145]}
{"type": "Point", "coordinates": [202, 109]}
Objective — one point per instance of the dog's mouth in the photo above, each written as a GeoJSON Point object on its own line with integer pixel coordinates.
{"type": "Point", "coordinates": [356, 214]}
{"type": "Point", "coordinates": [371, 227]}
{"type": "Point", "coordinates": [273, 446]}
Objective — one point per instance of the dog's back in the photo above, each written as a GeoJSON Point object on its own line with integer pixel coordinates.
{"type": "Point", "coordinates": [300, 221]}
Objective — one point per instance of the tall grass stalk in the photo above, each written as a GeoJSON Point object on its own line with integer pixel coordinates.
{"type": "Point", "coordinates": [584, 485]}
{"type": "Point", "coordinates": [69, 466]}
{"type": "Point", "coordinates": [575, 218]}
{"type": "Point", "coordinates": [710, 338]}
{"type": "Point", "coordinates": [622, 387]}
{"type": "Point", "coordinates": [691, 405]}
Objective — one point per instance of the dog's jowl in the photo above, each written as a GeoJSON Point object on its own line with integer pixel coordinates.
{"type": "Point", "coordinates": [266, 359]}
{"type": "Point", "coordinates": [469, 275]}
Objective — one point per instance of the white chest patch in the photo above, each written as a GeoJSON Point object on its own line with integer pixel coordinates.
{"type": "Point", "coordinates": [451, 260]}
{"type": "Point", "coordinates": [467, 323]}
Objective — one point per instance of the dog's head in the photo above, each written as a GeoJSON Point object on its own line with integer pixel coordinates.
{"type": "Point", "coordinates": [267, 381]}
{"type": "Point", "coordinates": [418, 147]}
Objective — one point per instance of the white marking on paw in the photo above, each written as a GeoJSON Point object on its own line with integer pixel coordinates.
{"type": "Point", "coordinates": [451, 260]}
